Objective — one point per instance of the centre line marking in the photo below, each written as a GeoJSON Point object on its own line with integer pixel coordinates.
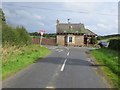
{"type": "Point", "coordinates": [63, 66]}
{"type": "Point", "coordinates": [67, 48]}
{"type": "Point", "coordinates": [68, 53]}
{"type": "Point", "coordinates": [50, 87]}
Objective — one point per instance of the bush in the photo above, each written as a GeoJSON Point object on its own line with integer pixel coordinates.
{"type": "Point", "coordinates": [15, 36]}
{"type": "Point", "coordinates": [114, 44]}
{"type": "Point", "coordinates": [99, 38]}
{"type": "Point", "coordinates": [93, 40]}
{"type": "Point", "coordinates": [23, 36]}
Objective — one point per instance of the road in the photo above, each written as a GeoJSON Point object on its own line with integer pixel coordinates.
{"type": "Point", "coordinates": [66, 67]}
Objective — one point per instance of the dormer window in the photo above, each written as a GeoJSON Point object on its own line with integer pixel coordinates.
{"type": "Point", "coordinates": [76, 31]}
{"type": "Point", "coordinates": [64, 31]}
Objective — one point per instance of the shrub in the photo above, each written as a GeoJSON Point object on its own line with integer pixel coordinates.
{"type": "Point", "coordinates": [23, 36]}
{"type": "Point", "coordinates": [114, 44]}
{"type": "Point", "coordinates": [11, 35]}
{"type": "Point", "coordinates": [93, 40]}
{"type": "Point", "coordinates": [15, 36]}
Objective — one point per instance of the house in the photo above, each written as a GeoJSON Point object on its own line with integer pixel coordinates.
{"type": "Point", "coordinates": [73, 34]}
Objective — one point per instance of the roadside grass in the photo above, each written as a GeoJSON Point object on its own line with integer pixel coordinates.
{"type": "Point", "coordinates": [15, 58]}
{"type": "Point", "coordinates": [108, 61]}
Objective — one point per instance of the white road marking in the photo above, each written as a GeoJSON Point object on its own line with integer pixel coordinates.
{"type": "Point", "coordinates": [50, 87]}
{"type": "Point", "coordinates": [68, 53]}
{"type": "Point", "coordinates": [60, 50]}
{"type": "Point", "coordinates": [57, 49]}
{"type": "Point", "coordinates": [63, 66]}
{"type": "Point", "coordinates": [67, 48]}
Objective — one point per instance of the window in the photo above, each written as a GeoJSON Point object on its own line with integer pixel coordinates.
{"type": "Point", "coordinates": [70, 39]}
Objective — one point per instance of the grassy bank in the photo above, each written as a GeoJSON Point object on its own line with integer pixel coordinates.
{"type": "Point", "coordinates": [16, 58]}
{"type": "Point", "coordinates": [108, 61]}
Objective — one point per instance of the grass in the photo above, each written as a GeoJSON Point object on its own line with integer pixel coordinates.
{"type": "Point", "coordinates": [16, 58]}
{"type": "Point", "coordinates": [109, 59]}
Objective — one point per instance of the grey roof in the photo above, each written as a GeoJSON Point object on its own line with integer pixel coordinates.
{"type": "Point", "coordinates": [70, 28]}
{"type": "Point", "coordinates": [89, 32]}
{"type": "Point", "coordinates": [76, 28]}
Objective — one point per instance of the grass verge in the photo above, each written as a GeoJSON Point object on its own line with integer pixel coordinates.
{"type": "Point", "coordinates": [16, 58]}
{"type": "Point", "coordinates": [108, 63]}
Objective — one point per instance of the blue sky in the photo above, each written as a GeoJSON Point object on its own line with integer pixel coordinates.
{"type": "Point", "coordinates": [99, 17]}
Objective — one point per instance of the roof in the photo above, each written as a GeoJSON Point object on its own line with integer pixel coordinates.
{"type": "Point", "coordinates": [89, 32]}
{"type": "Point", "coordinates": [75, 28]}
{"type": "Point", "coordinates": [70, 28]}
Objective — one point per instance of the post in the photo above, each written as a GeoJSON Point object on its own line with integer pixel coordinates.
{"type": "Point", "coordinates": [41, 33]}
{"type": "Point", "coordinates": [40, 39]}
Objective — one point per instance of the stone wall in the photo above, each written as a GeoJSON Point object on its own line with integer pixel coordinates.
{"type": "Point", "coordinates": [45, 41]}
{"type": "Point", "coordinates": [61, 40]}
{"type": "Point", "coordinates": [78, 40]}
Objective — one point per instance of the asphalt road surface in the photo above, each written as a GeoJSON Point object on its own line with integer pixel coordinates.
{"type": "Point", "coordinates": [66, 67]}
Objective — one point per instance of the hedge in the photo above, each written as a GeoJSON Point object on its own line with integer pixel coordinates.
{"type": "Point", "coordinates": [15, 36]}
{"type": "Point", "coordinates": [114, 44]}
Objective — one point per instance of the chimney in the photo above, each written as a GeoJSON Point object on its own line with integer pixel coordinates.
{"type": "Point", "coordinates": [69, 20]}
{"type": "Point", "coordinates": [57, 21]}
{"type": "Point", "coordinates": [69, 23]}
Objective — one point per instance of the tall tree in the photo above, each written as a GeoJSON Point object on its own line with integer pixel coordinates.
{"type": "Point", "coordinates": [2, 15]}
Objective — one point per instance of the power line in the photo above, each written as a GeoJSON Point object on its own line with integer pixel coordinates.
{"type": "Point", "coordinates": [49, 9]}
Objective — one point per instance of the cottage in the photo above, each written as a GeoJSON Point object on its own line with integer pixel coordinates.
{"type": "Point", "coordinates": [73, 34]}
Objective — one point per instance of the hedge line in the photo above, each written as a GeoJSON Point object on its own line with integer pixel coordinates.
{"type": "Point", "coordinates": [15, 36]}
{"type": "Point", "coordinates": [114, 44]}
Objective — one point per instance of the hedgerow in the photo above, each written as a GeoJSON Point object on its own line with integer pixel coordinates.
{"type": "Point", "coordinates": [15, 35]}
{"type": "Point", "coordinates": [114, 44]}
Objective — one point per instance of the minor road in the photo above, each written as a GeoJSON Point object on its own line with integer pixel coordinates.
{"type": "Point", "coordinates": [66, 67]}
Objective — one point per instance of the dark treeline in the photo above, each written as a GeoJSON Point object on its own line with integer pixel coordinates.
{"type": "Point", "coordinates": [47, 35]}
{"type": "Point", "coordinates": [13, 35]}
{"type": "Point", "coordinates": [108, 36]}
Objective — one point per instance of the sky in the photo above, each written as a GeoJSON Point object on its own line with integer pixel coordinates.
{"type": "Point", "coordinates": [99, 17]}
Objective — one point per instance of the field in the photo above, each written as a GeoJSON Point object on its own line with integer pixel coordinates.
{"type": "Point", "coordinates": [107, 59]}
{"type": "Point", "coordinates": [16, 58]}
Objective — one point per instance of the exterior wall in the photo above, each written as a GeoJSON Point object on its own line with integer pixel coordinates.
{"type": "Point", "coordinates": [49, 41]}
{"type": "Point", "coordinates": [61, 39]}
{"type": "Point", "coordinates": [45, 41]}
{"type": "Point", "coordinates": [79, 40]}
{"type": "Point", "coordinates": [36, 40]}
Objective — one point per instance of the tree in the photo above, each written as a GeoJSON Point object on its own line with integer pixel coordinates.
{"type": "Point", "coordinates": [93, 40]}
{"type": "Point", "coordinates": [2, 15]}
{"type": "Point", "coordinates": [99, 38]}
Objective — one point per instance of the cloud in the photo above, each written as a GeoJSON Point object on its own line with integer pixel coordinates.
{"type": "Point", "coordinates": [41, 24]}
{"type": "Point", "coordinates": [101, 18]}
{"type": "Point", "coordinates": [83, 6]}
{"type": "Point", "coordinates": [61, 1]}
{"type": "Point", "coordinates": [37, 16]}
{"type": "Point", "coordinates": [102, 26]}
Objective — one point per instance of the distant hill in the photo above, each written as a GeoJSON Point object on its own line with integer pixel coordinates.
{"type": "Point", "coordinates": [108, 37]}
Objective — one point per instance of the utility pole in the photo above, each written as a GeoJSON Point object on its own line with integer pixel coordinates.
{"type": "Point", "coordinates": [41, 35]}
